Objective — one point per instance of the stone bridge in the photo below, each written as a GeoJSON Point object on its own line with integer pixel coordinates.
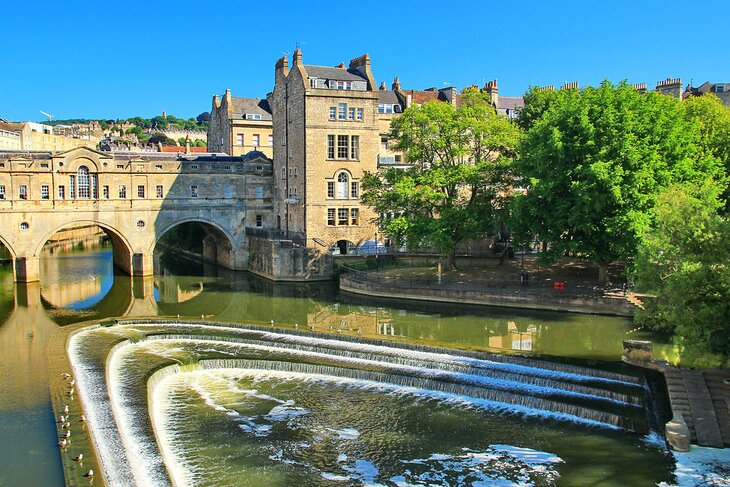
{"type": "Point", "coordinates": [135, 198]}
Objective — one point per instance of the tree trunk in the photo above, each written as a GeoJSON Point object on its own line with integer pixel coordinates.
{"type": "Point", "coordinates": [451, 260]}
{"type": "Point", "coordinates": [602, 273]}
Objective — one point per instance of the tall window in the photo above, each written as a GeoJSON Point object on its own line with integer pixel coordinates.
{"type": "Point", "coordinates": [2, 191]}
{"type": "Point", "coordinates": [23, 192]}
{"type": "Point", "coordinates": [355, 190]}
{"type": "Point", "coordinates": [342, 186]}
{"type": "Point", "coordinates": [83, 182]}
{"type": "Point", "coordinates": [271, 140]}
{"type": "Point", "coordinates": [140, 191]}
{"type": "Point", "coordinates": [355, 147]}
{"type": "Point", "coordinates": [342, 146]}
{"type": "Point", "coordinates": [105, 192]}
{"type": "Point", "coordinates": [256, 140]}
{"type": "Point", "coordinates": [44, 192]}
{"type": "Point", "coordinates": [72, 187]}
{"type": "Point", "coordinates": [354, 216]}
{"type": "Point", "coordinates": [122, 192]}
{"type": "Point", "coordinates": [384, 142]}
{"type": "Point", "coordinates": [239, 139]}
{"type": "Point", "coordinates": [193, 190]}
{"type": "Point", "coordinates": [351, 113]}
{"type": "Point", "coordinates": [331, 216]}
{"type": "Point", "coordinates": [333, 113]}
{"type": "Point", "coordinates": [259, 220]}
{"type": "Point", "coordinates": [342, 111]}
{"type": "Point", "coordinates": [62, 192]}
{"type": "Point", "coordinates": [158, 191]}
{"type": "Point", "coordinates": [259, 192]}
{"type": "Point", "coordinates": [360, 114]}
{"type": "Point", "coordinates": [330, 147]}
{"type": "Point", "coordinates": [330, 189]}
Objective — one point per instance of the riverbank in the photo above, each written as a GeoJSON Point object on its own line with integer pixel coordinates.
{"type": "Point", "coordinates": [567, 286]}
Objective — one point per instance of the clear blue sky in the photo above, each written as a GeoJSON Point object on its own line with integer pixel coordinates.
{"type": "Point", "coordinates": [79, 59]}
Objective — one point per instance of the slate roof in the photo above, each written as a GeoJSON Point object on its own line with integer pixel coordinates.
{"type": "Point", "coordinates": [252, 105]}
{"type": "Point", "coordinates": [511, 102]}
{"type": "Point", "coordinates": [388, 97]}
{"type": "Point", "coordinates": [339, 74]}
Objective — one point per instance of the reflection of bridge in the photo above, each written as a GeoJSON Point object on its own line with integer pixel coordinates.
{"type": "Point", "coordinates": [135, 199]}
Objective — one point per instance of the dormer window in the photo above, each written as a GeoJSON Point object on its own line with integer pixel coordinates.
{"type": "Point", "coordinates": [253, 116]}
{"type": "Point", "coordinates": [344, 85]}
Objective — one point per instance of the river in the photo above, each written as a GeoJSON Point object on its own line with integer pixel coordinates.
{"type": "Point", "coordinates": [82, 286]}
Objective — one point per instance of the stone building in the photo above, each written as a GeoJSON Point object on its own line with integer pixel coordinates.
{"type": "Point", "coordinates": [240, 125]}
{"type": "Point", "coordinates": [31, 136]}
{"type": "Point", "coordinates": [720, 90]}
{"type": "Point", "coordinates": [326, 129]}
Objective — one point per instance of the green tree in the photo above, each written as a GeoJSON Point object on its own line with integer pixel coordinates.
{"type": "Point", "coordinates": [459, 159]}
{"type": "Point", "coordinates": [199, 143]}
{"type": "Point", "coordinates": [713, 121]}
{"type": "Point", "coordinates": [594, 161]}
{"type": "Point", "coordinates": [684, 261]}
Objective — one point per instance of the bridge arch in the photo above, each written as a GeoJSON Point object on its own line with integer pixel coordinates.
{"type": "Point", "coordinates": [121, 248]}
{"type": "Point", "coordinates": [7, 245]}
{"type": "Point", "coordinates": [218, 245]}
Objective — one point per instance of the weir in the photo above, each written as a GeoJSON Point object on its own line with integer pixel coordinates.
{"type": "Point", "coordinates": [118, 369]}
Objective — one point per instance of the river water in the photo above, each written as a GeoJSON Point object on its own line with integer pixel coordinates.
{"type": "Point", "coordinates": [397, 446]}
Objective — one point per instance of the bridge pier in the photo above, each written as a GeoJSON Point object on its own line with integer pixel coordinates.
{"type": "Point", "coordinates": [142, 264]}
{"type": "Point", "coordinates": [27, 269]}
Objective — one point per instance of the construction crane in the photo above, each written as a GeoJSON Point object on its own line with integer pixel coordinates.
{"type": "Point", "coordinates": [50, 117]}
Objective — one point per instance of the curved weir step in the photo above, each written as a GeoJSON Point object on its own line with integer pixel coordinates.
{"type": "Point", "coordinates": [117, 368]}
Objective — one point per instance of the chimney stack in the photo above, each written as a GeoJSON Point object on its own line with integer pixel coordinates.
{"type": "Point", "coordinates": [492, 90]}
{"type": "Point", "coordinates": [382, 86]}
{"type": "Point", "coordinates": [570, 86]}
{"type": "Point", "coordinates": [297, 58]}
{"type": "Point", "coordinates": [670, 87]}
{"type": "Point", "coordinates": [396, 84]}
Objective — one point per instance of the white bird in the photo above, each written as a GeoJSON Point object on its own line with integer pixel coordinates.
{"type": "Point", "coordinates": [62, 443]}
{"type": "Point", "coordinates": [65, 409]}
{"type": "Point", "coordinates": [72, 382]}
{"type": "Point", "coordinates": [271, 322]}
{"type": "Point", "coordinates": [83, 418]}
{"type": "Point", "coordinates": [66, 376]}
{"type": "Point", "coordinates": [296, 325]}
{"type": "Point", "coordinates": [66, 425]}
{"type": "Point", "coordinates": [90, 473]}
{"type": "Point", "coordinates": [79, 457]}
{"type": "Point", "coordinates": [62, 419]}
{"type": "Point", "coordinates": [71, 392]}
{"type": "Point", "coordinates": [68, 434]}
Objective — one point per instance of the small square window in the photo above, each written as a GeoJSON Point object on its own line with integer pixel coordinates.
{"type": "Point", "coordinates": [158, 167]}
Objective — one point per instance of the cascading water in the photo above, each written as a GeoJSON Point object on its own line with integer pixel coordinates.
{"type": "Point", "coordinates": [133, 377]}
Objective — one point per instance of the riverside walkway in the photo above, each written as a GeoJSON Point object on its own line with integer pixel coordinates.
{"type": "Point", "coordinates": [551, 291]}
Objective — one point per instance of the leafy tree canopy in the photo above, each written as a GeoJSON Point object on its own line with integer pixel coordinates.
{"type": "Point", "coordinates": [594, 160]}
{"type": "Point", "coordinates": [459, 159]}
{"type": "Point", "coordinates": [685, 262]}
